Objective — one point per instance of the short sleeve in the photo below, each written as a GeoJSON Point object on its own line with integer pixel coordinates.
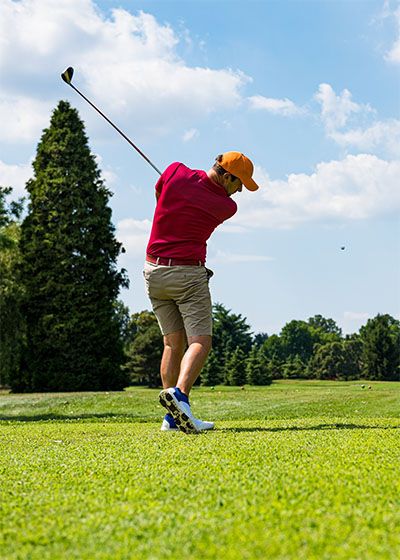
{"type": "Point", "coordinates": [166, 175]}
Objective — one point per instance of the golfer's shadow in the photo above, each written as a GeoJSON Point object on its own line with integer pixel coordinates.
{"type": "Point", "coordinates": [335, 426]}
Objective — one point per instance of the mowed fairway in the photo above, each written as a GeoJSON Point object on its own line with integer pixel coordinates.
{"type": "Point", "coordinates": [298, 470]}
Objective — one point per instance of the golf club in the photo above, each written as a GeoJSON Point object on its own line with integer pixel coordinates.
{"type": "Point", "coordinates": [67, 77]}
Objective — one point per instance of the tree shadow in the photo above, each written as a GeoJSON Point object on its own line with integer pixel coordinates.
{"type": "Point", "coordinates": [335, 426]}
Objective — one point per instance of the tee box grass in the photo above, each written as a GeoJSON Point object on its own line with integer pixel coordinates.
{"type": "Point", "coordinates": [298, 470]}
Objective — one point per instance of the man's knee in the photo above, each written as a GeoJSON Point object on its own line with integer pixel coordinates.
{"type": "Point", "coordinates": [204, 340]}
{"type": "Point", "coordinates": [175, 340]}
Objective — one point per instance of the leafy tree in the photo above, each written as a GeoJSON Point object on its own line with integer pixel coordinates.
{"type": "Point", "coordinates": [273, 348]}
{"type": "Point", "coordinates": [68, 268]}
{"type": "Point", "coordinates": [329, 361]}
{"type": "Point", "coordinates": [139, 323]}
{"type": "Point", "coordinates": [145, 352]}
{"type": "Point", "coordinates": [381, 353]}
{"type": "Point", "coordinates": [235, 368]}
{"type": "Point", "coordinates": [297, 340]}
{"type": "Point", "coordinates": [257, 371]}
{"type": "Point", "coordinates": [12, 324]}
{"type": "Point", "coordinates": [353, 356]}
{"type": "Point", "coordinates": [337, 360]}
{"type": "Point", "coordinates": [326, 326]}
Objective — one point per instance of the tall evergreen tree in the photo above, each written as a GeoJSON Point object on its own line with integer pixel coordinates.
{"type": "Point", "coordinates": [69, 272]}
{"type": "Point", "coordinates": [230, 331]}
{"type": "Point", "coordinates": [257, 370]}
{"type": "Point", "coordinates": [235, 368]}
{"type": "Point", "coordinates": [294, 368]}
{"type": "Point", "coordinates": [211, 373]}
{"type": "Point", "coordinates": [260, 338]}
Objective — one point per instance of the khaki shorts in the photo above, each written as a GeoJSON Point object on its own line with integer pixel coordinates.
{"type": "Point", "coordinates": [180, 297]}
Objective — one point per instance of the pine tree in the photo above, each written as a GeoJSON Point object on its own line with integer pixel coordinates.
{"type": "Point", "coordinates": [294, 368]}
{"type": "Point", "coordinates": [257, 372]}
{"type": "Point", "coordinates": [211, 372]}
{"type": "Point", "coordinates": [68, 269]}
{"type": "Point", "coordinates": [229, 332]}
{"type": "Point", "coordinates": [235, 368]}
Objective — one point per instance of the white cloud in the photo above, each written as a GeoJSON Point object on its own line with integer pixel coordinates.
{"type": "Point", "coordinates": [22, 118]}
{"type": "Point", "coordinates": [380, 135]}
{"type": "Point", "coordinates": [336, 109]}
{"type": "Point", "coordinates": [284, 107]}
{"type": "Point", "coordinates": [355, 188]}
{"type": "Point", "coordinates": [190, 134]}
{"type": "Point", "coordinates": [366, 134]}
{"type": "Point", "coordinates": [393, 54]}
{"type": "Point", "coordinates": [134, 235]}
{"type": "Point", "coordinates": [127, 63]}
{"type": "Point", "coordinates": [355, 316]}
{"type": "Point", "coordinates": [15, 176]}
{"type": "Point", "coordinates": [352, 321]}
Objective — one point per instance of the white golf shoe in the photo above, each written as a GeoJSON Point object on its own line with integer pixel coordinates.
{"type": "Point", "coordinates": [181, 412]}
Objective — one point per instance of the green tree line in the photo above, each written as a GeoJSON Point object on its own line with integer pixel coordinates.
{"type": "Point", "coordinates": [312, 349]}
{"type": "Point", "coordinates": [62, 327]}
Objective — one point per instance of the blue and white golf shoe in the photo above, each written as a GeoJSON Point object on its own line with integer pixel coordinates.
{"type": "Point", "coordinates": [177, 405]}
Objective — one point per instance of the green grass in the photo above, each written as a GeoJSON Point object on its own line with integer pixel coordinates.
{"type": "Point", "coordinates": [299, 470]}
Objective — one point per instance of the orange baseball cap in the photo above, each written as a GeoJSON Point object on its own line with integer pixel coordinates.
{"type": "Point", "coordinates": [240, 166]}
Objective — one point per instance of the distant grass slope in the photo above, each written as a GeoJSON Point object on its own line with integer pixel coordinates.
{"type": "Point", "coordinates": [298, 470]}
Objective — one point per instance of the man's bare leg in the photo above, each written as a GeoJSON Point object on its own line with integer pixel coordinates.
{"type": "Point", "coordinates": [174, 348]}
{"type": "Point", "coordinates": [192, 361]}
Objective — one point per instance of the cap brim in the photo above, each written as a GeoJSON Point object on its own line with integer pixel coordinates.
{"type": "Point", "coordinates": [250, 184]}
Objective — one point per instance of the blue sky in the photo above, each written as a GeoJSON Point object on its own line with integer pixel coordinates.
{"type": "Point", "coordinates": [309, 90]}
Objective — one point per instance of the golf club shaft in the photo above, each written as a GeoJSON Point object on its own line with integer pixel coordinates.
{"type": "Point", "coordinates": [116, 128]}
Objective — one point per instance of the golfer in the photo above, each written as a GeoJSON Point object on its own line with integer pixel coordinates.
{"type": "Point", "coordinates": [190, 205]}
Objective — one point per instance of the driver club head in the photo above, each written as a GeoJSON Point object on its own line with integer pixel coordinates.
{"type": "Point", "coordinates": [67, 75]}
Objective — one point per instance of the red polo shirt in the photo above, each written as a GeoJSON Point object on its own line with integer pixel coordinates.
{"type": "Point", "coordinates": [189, 208]}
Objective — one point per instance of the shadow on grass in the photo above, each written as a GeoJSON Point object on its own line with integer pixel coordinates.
{"type": "Point", "coordinates": [335, 426]}
{"type": "Point", "coordinates": [63, 417]}
{"type": "Point", "coordinates": [142, 420]}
